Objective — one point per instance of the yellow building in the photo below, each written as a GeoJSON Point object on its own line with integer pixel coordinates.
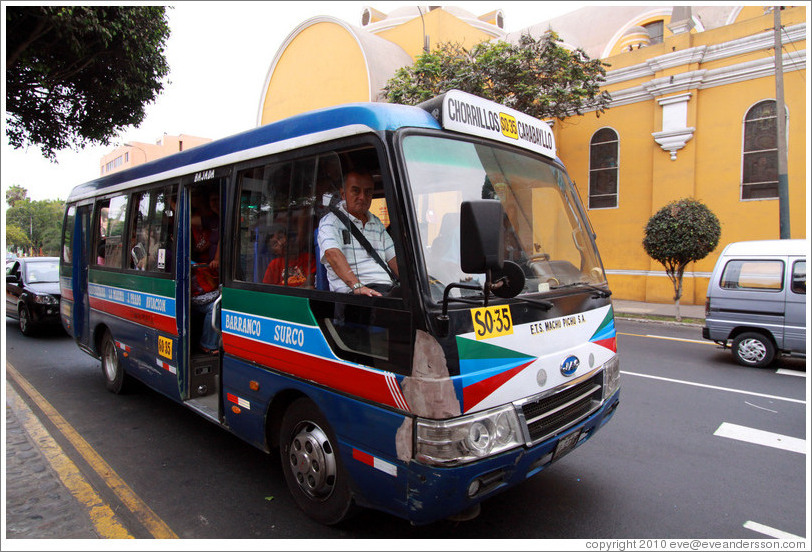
{"type": "Point", "coordinates": [693, 113]}
{"type": "Point", "coordinates": [131, 154]}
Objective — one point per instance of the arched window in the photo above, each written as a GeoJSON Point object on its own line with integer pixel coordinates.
{"type": "Point", "coordinates": [603, 162]}
{"type": "Point", "coordinates": [760, 152]}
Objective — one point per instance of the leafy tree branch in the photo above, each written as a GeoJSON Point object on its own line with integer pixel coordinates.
{"type": "Point", "coordinates": [537, 76]}
{"type": "Point", "coordinates": [78, 75]}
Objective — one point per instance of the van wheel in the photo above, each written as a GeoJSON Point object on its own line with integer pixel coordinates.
{"type": "Point", "coordinates": [753, 349]}
{"type": "Point", "coordinates": [113, 371]}
{"type": "Point", "coordinates": [312, 468]}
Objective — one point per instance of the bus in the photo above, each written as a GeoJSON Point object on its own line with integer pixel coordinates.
{"type": "Point", "coordinates": [492, 356]}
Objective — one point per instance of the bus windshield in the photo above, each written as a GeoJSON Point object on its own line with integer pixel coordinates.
{"type": "Point", "coordinates": [545, 233]}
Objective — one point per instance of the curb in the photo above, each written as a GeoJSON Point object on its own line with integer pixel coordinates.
{"type": "Point", "coordinates": [642, 318]}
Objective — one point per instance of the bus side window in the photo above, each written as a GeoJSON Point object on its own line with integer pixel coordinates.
{"type": "Point", "coordinates": [152, 230]}
{"type": "Point", "coordinates": [100, 233]}
{"type": "Point", "coordinates": [67, 239]}
{"type": "Point", "coordinates": [139, 232]}
{"type": "Point", "coordinates": [300, 265]}
{"type": "Point", "coordinates": [162, 231]}
{"type": "Point", "coordinates": [261, 193]}
{"type": "Point", "coordinates": [110, 231]}
{"type": "Point", "coordinates": [276, 226]}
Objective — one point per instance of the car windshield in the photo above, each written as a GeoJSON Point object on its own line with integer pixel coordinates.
{"type": "Point", "coordinates": [39, 272]}
{"type": "Point", "coordinates": [545, 233]}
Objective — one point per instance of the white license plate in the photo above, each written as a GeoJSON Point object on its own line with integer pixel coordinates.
{"type": "Point", "coordinates": [566, 444]}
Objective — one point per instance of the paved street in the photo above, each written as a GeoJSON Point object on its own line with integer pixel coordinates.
{"type": "Point", "coordinates": [654, 471]}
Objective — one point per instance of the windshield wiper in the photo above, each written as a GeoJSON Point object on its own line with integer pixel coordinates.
{"type": "Point", "coordinates": [546, 305]}
{"type": "Point", "coordinates": [601, 293]}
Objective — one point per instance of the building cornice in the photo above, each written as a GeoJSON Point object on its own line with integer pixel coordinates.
{"type": "Point", "coordinates": [706, 78]}
{"type": "Point", "coordinates": [705, 54]}
{"type": "Point", "coordinates": [675, 83]}
{"type": "Point", "coordinates": [755, 43]}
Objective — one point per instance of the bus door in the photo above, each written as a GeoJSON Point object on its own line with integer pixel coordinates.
{"type": "Point", "coordinates": [79, 276]}
{"type": "Point", "coordinates": [203, 225]}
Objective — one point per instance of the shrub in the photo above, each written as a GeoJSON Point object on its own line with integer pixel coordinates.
{"type": "Point", "coordinates": [682, 232]}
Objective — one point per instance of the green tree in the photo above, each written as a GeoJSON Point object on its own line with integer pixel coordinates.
{"type": "Point", "coordinates": [39, 221]}
{"type": "Point", "coordinates": [16, 238]}
{"type": "Point", "coordinates": [78, 75]}
{"type": "Point", "coordinates": [15, 193]}
{"type": "Point", "coordinates": [682, 232]}
{"type": "Point", "coordinates": [536, 76]}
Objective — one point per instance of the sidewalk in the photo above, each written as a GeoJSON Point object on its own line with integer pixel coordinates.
{"type": "Point", "coordinates": [658, 309]}
{"type": "Point", "coordinates": [38, 505]}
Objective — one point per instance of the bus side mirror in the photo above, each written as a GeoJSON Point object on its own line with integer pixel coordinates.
{"type": "Point", "coordinates": [482, 247]}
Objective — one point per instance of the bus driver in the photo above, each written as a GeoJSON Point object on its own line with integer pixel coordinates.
{"type": "Point", "coordinates": [350, 269]}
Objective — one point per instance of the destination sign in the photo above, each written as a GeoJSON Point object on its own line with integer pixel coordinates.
{"type": "Point", "coordinates": [463, 112]}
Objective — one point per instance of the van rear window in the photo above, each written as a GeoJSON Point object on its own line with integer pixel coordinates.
{"type": "Point", "coordinates": [799, 277]}
{"type": "Point", "coordinates": [754, 275]}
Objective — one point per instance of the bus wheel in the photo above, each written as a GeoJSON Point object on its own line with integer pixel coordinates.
{"type": "Point", "coordinates": [313, 471]}
{"type": "Point", "coordinates": [114, 377]}
{"type": "Point", "coordinates": [753, 349]}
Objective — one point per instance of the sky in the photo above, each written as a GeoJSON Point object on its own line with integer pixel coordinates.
{"type": "Point", "coordinates": [219, 54]}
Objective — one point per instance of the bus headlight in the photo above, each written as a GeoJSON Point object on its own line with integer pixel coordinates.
{"type": "Point", "coordinates": [467, 438]}
{"type": "Point", "coordinates": [611, 376]}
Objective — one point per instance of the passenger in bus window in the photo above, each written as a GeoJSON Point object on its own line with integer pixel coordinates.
{"type": "Point", "coordinates": [205, 278]}
{"type": "Point", "coordinates": [290, 265]}
{"type": "Point", "coordinates": [350, 268]}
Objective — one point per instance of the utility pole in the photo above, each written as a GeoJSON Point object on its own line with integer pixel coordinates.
{"type": "Point", "coordinates": [781, 120]}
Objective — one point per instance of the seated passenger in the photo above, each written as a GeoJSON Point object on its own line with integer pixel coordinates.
{"type": "Point", "coordinates": [289, 267]}
{"type": "Point", "coordinates": [204, 273]}
{"type": "Point", "coordinates": [350, 268]}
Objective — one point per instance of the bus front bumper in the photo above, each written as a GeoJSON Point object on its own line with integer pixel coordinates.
{"type": "Point", "coordinates": [436, 493]}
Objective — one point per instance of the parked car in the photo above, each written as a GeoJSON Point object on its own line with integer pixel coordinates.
{"type": "Point", "coordinates": [756, 301]}
{"type": "Point", "coordinates": [32, 292]}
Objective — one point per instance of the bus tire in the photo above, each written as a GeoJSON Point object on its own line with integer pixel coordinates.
{"type": "Point", "coordinates": [112, 370]}
{"type": "Point", "coordinates": [753, 349]}
{"type": "Point", "coordinates": [311, 464]}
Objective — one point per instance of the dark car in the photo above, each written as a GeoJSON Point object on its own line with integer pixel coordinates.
{"type": "Point", "coordinates": [32, 292]}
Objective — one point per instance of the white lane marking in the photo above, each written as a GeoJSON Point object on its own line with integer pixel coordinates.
{"type": "Point", "coordinates": [774, 397]}
{"type": "Point", "coordinates": [787, 372]}
{"type": "Point", "coordinates": [759, 437]}
{"type": "Point", "coordinates": [769, 531]}
{"type": "Point", "coordinates": [701, 342]}
{"type": "Point", "coordinates": [760, 407]}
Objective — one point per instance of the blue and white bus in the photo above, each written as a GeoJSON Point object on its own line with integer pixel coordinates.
{"type": "Point", "coordinates": [493, 356]}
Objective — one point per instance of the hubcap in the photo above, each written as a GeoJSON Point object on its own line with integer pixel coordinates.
{"type": "Point", "coordinates": [110, 360]}
{"type": "Point", "coordinates": [312, 461]}
{"type": "Point", "coordinates": [24, 320]}
{"type": "Point", "coordinates": [752, 350]}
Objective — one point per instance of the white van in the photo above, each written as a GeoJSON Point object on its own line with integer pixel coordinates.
{"type": "Point", "coordinates": [756, 302]}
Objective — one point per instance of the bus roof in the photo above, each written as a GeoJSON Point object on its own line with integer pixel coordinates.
{"type": "Point", "coordinates": [320, 125]}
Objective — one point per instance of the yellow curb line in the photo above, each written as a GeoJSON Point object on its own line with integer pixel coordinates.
{"type": "Point", "coordinates": [104, 521]}
{"type": "Point", "coordinates": [154, 524]}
